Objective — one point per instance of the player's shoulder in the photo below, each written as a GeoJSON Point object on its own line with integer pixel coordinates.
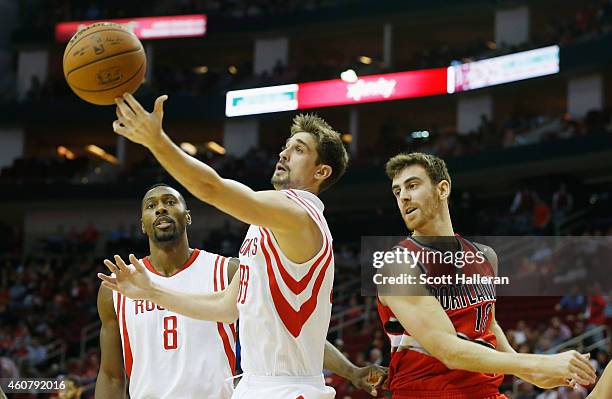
{"type": "Point", "coordinates": [305, 199]}
{"type": "Point", "coordinates": [289, 200]}
{"type": "Point", "coordinates": [105, 303]}
{"type": "Point", "coordinates": [210, 258]}
{"type": "Point", "coordinates": [489, 253]}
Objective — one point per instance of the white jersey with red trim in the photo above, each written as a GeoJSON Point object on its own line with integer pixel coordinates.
{"type": "Point", "coordinates": [171, 356]}
{"type": "Point", "coordinates": [284, 307]}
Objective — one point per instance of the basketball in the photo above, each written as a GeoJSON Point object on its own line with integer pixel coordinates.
{"type": "Point", "coordinates": [103, 61]}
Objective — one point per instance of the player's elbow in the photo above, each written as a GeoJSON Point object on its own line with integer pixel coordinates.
{"type": "Point", "coordinates": [228, 319]}
{"type": "Point", "coordinates": [109, 385]}
{"type": "Point", "coordinates": [447, 355]}
{"type": "Point", "coordinates": [456, 359]}
{"type": "Point", "coordinates": [450, 362]}
{"type": "Point", "coordinates": [228, 308]}
{"type": "Point", "coordinates": [229, 316]}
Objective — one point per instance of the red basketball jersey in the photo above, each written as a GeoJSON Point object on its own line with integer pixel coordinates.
{"type": "Point", "coordinates": [413, 372]}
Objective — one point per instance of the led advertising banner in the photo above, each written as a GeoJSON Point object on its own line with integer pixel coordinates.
{"type": "Point", "coordinates": [507, 68]}
{"type": "Point", "coordinates": [145, 28]}
{"type": "Point", "coordinates": [373, 88]}
{"type": "Point", "coordinates": [328, 93]}
{"type": "Point", "coordinates": [394, 86]}
{"type": "Point", "coordinates": [261, 100]}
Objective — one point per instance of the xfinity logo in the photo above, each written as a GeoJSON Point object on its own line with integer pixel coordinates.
{"type": "Point", "coordinates": [361, 89]}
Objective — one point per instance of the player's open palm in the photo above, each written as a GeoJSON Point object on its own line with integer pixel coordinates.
{"type": "Point", "coordinates": [130, 280]}
{"type": "Point", "coordinates": [136, 124]}
{"type": "Point", "coordinates": [567, 368]}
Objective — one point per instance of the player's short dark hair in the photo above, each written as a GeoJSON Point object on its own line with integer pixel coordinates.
{"type": "Point", "coordinates": [330, 148]}
{"type": "Point", "coordinates": [180, 196]}
{"type": "Point", "coordinates": [434, 166]}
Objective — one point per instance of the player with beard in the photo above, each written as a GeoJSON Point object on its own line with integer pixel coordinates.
{"type": "Point", "coordinates": [165, 354]}
{"type": "Point", "coordinates": [446, 343]}
{"type": "Point", "coordinates": [283, 296]}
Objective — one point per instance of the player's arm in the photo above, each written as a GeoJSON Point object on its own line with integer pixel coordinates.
{"type": "Point", "coordinates": [270, 209]}
{"type": "Point", "coordinates": [603, 389]}
{"type": "Point", "coordinates": [368, 378]}
{"type": "Point", "coordinates": [134, 282]}
{"type": "Point", "coordinates": [424, 319]}
{"type": "Point", "coordinates": [111, 377]}
{"type": "Point", "coordinates": [503, 345]}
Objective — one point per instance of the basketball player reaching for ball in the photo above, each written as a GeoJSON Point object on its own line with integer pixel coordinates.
{"type": "Point", "coordinates": [286, 273]}
{"type": "Point", "coordinates": [446, 343]}
{"type": "Point", "coordinates": [165, 354]}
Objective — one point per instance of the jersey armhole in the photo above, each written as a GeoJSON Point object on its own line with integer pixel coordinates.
{"type": "Point", "coordinates": [494, 271]}
{"type": "Point", "coordinates": [311, 211]}
{"type": "Point", "coordinates": [220, 272]}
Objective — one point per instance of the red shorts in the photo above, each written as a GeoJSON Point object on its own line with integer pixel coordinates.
{"type": "Point", "coordinates": [446, 395]}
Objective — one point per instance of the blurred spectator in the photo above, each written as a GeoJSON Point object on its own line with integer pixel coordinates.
{"type": "Point", "coordinates": [522, 333]}
{"type": "Point", "coordinates": [562, 203]}
{"type": "Point", "coordinates": [376, 356]}
{"type": "Point", "coordinates": [595, 308]}
{"type": "Point", "coordinates": [541, 215]}
{"type": "Point", "coordinates": [36, 353]}
{"type": "Point", "coordinates": [572, 301]}
{"type": "Point", "coordinates": [8, 368]}
{"type": "Point", "coordinates": [595, 312]}
{"type": "Point", "coordinates": [523, 201]}
{"type": "Point", "coordinates": [557, 331]}
{"type": "Point", "coordinates": [89, 237]}
{"type": "Point", "coordinates": [543, 345]}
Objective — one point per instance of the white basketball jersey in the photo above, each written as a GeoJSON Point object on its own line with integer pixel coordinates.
{"type": "Point", "coordinates": [170, 356]}
{"type": "Point", "coordinates": [284, 307]}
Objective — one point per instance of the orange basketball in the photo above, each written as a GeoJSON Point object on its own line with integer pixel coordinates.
{"type": "Point", "coordinates": [103, 61]}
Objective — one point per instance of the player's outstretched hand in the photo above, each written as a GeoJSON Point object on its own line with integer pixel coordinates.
{"type": "Point", "coordinates": [564, 369]}
{"type": "Point", "coordinates": [130, 280]}
{"type": "Point", "coordinates": [370, 378]}
{"type": "Point", "coordinates": [136, 124]}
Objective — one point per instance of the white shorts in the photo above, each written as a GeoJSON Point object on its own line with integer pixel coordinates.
{"type": "Point", "coordinates": [283, 387]}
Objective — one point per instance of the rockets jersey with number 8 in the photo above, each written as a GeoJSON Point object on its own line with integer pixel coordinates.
{"type": "Point", "coordinates": [167, 355]}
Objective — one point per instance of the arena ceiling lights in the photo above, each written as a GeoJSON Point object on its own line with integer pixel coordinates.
{"type": "Point", "coordinates": [165, 27]}
{"type": "Point", "coordinates": [393, 86]}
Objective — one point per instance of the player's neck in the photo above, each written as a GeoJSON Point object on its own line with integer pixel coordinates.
{"type": "Point", "coordinates": [311, 189]}
{"type": "Point", "coordinates": [168, 259]}
{"type": "Point", "coordinates": [439, 226]}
